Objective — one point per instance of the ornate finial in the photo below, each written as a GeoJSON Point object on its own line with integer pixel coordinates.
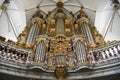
{"type": "Point", "coordinates": [38, 7]}
{"type": "Point", "coordinates": [3, 8]}
{"type": "Point", "coordinates": [60, 73]}
{"type": "Point", "coordinates": [82, 7]}
{"type": "Point", "coordinates": [59, 4]}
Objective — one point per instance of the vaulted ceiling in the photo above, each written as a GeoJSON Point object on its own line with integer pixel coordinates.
{"type": "Point", "coordinates": [20, 13]}
{"type": "Point", "coordinates": [70, 5]}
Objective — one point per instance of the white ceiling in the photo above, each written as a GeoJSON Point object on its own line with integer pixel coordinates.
{"type": "Point", "coordinates": [70, 5]}
{"type": "Point", "coordinates": [91, 4]}
{"type": "Point", "coordinates": [98, 11]}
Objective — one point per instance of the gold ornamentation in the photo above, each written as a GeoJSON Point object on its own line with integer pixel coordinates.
{"type": "Point", "coordinates": [60, 14]}
{"type": "Point", "coordinates": [42, 39]}
{"type": "Point", "coordinates": [37, 20]}
{"type": "Point", "coordinates": [83, 20]}
{"type": "Point", "coordinates": [78, 39]}
{"type": "Point", "coordinates": [3, 8]}
{"type": "Point", "coordinates": [59, 4]}
{"type": "Point", "coordinates": [99, 40]}
{"type": "Point", "coordinates": [60, 73]}
{"type": "Point", "coordinates": [82, 13]}
{"type": "Point", "coordinates": [69, 21]}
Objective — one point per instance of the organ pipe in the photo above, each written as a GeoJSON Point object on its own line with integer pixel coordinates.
{"type": "Point", "coordinates": [80, 52]}
{"type": "Point", "coordinates": [85, 29]}
{"type": "Point", "coordinates": [34, 31]}
{"type": "Point", "coordinates": [40, 52]}
{"type": "Point", "coordinates": [60, 26]}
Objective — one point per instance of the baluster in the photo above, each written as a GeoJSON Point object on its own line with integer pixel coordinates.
{"type": "Point", "coordinates": [113, 51]}
{"type": "Point", "coordinates": [109, 52]}
{"type": "Point", "coordinates": [98, 56]}
{"type": "Point", "coordinates": [106, 56]}
{"type": "Point", "coordinates": [93, 58]}
{"type": "Point", "coordinates": [95, 54]}
{"type": "Point", "coordinates": [103, 54]}
{"type": "Point", "coordinates": [118, 48]}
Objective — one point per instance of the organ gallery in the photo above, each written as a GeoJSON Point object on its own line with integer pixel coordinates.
{"type": "Point", "coordinates": [60, 46]}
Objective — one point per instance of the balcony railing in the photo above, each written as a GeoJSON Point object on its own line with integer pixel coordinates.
{"type": "Point", "coordinates": [105, 54]}
{"type": "Point", "coordinates": [14, 54]}
{"type": "Point", "coordinates": [97, 56]}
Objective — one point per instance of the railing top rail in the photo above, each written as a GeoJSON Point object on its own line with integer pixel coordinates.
{"type": "Point", "coordinates": [106, 47]}
{"type": "Point", "coordinates": [15, 47]}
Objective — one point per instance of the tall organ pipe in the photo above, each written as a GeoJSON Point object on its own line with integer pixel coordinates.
{"type": "Point", "coordinates": [60, 16]}
{"type": "Point", "coordinates": [34, 31]}
{"type": "Point", "coordinates": [80, 52]}
{"type": "Point", "coordinates": [40, 52]}
{"type": "Point", "coordinates": [60, 26]}
{"type": "Point", "coordinates": [85, 29]}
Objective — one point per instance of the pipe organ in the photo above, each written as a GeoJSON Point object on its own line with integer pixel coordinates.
{"type": "Point", "coordinates": [60, 40]}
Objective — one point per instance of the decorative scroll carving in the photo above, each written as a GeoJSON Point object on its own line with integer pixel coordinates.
{"type": "Point", "coordinates": [38, 40]}
{"type": "Point", "coordinates": [2, 38]}
{"type": "Point", "coordinates": [99, 40]}
{"type": "Point", "coordinates": [60, 14]}
{"type": "Point", "coordinates": [51, 30]}
{"type": "Point", "coordinates": [60, 73]}
{"type": "Point", "coordinates": [23, 36]}
{"type": "Point", "coordinates": [59, 44]}
{"type": "Point", "coordinates": [37, 20]}
{"type": "Point", "coordinates": [69, 21]}
{"type": "Point", "coordinates": [83, 20]}
{"type": "Point", "coordinates": [80, 38]}
{"type": "Point", "coordinates": [69, 26]}
{"type": "Point", "coordinates": [59, 4]}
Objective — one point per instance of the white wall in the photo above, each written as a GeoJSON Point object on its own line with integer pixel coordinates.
{"type": "Point", "coordinates": [103, 15]}
{"type": "Point", "coordinates": [18, 20]}
{"type": "Point", "coordinates": [114, 30]}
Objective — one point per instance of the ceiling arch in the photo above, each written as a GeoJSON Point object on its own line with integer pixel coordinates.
{"type": "Point", "coordinates": [90, 6]}
{"type": "Point", "coordinates": [97, 10]}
